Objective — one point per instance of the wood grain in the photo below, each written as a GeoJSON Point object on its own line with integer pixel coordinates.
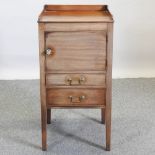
{"type": "Point", "coordinates": [75, 13]}
{"type": "Point", "coordinates": [42, 86]}
{"type": "Point", "coordinates": [81, 38]}
{"type": "Point", "coordinates": [76, 50]}
{"type": "Point", "coordinates": [52, 27]}
{"type": "Point", "coordinates": [62, 80]}
{"type": "Point", "coordinates": [75, 7]}
{"type": "Point", "coordinates": [89, 16]}
{"type": "Point", "coordinates": [61, 96]}
{"type": "Point", "coordinates": [75, 72]}
{"type": "Point", "coordinates": [83, 106]}
{"type": "Point", "coordinates": [109, 86]}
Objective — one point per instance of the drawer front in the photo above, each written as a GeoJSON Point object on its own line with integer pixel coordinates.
{"type": "Point", "coordinates": [75, 80]}
{"type": "Point", "coordinates": [76, 51]}
{"type": "Point", "coordinates": [71, 97]}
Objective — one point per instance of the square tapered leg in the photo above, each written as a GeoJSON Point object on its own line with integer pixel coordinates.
{"type": "Point", "coordinates": [103, 116]}
{"type": "Point", "coordinates": [48, 116]}
{"type": "Point", "coordinates": [44, 128]}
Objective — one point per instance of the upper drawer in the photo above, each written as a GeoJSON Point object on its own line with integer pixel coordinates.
{"type": "Point", "coordinates": [79, 50]}
{"type": "Point", "coordinates": [75, 80]}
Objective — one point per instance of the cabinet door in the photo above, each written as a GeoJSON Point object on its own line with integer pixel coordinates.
{"type": "Point", "coordinates": [79, 50]}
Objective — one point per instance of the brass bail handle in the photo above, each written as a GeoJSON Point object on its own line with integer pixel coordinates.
{"type": "Point", "coordinates": [75, 99]}
{"type": "Point", "coordinates": [70, 81]}
{"type": "Point", "coordinates": [80, 80]}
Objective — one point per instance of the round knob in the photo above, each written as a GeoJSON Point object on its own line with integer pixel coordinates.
{"type": "Point", "coordinates": [49, 51]}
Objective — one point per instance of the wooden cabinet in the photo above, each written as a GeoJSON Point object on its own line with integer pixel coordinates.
{"type": "Point", "coordinates": [75, 44]}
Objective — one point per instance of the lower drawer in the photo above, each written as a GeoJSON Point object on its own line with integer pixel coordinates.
{"type": "Point", "coordinates": [73, 97]}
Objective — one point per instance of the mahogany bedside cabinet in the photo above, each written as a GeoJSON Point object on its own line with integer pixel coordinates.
{"type": "Point", "coordinates": [75, 44]}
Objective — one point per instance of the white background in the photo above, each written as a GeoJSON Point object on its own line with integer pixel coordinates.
{"type": "Point", "coordinates": [134, 37]}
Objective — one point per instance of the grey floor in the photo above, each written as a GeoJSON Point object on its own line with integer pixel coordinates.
{"type": "Point", "coordinates": [78, 132]}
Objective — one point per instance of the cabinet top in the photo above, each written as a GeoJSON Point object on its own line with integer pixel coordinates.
{"type": "Point", "coordinates": [75, 13]}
